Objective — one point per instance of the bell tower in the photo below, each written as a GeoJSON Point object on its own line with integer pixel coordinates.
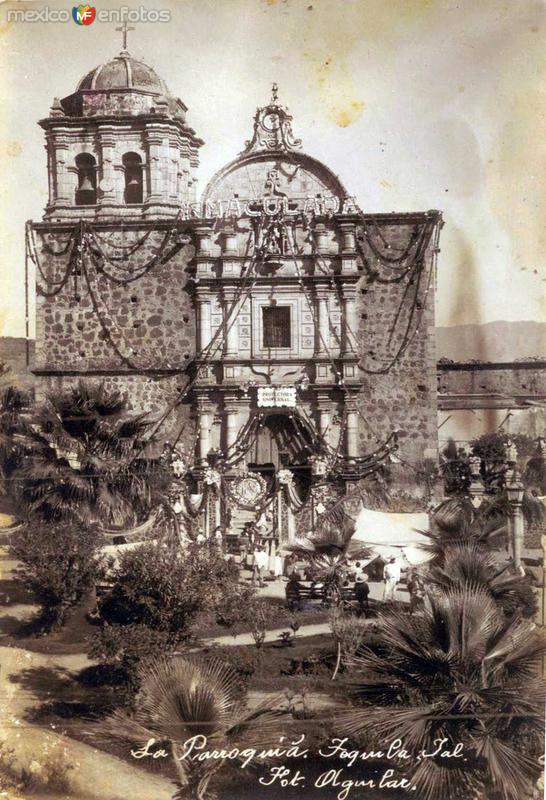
{"type": "Point", "coordinates": [119, 146]}
{"type": "Point", "coordinates": [112, 253]}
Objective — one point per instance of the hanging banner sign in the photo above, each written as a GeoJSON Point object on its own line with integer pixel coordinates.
{"type": "Point", "coordinates": [268, 206]}
{"type": "Point", "coordinates": [279, 396]}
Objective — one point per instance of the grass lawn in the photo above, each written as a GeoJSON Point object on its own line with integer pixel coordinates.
{"type": "Point", "coordinates": [16, 632]}
{"type": "Point", "coordinates": [307, 664]}
{"type": "Point", "coordinates": [207, 628]}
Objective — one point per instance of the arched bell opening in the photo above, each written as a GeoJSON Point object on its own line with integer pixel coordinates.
{"type": "Point", "coordinates": [134, 188]}
{"type": "Point", "coordinates": [86, 190]}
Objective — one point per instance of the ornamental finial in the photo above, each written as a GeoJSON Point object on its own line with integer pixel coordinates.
{"type": "Point", "coordinates": [272, 127]}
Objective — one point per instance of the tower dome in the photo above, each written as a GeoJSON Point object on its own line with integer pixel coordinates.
{"type": "Point", "coordinates": [121, 86]}
{"type": "Point", "coordinates": [123, 72]}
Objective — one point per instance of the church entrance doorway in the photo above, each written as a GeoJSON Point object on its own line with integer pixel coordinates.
{"type": "Point", "coordinates": [280, 443]}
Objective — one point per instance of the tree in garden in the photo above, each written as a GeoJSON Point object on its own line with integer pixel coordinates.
{"type": "Point", "coordinates": [14, 405]}
{"type": "Point", "coordinates": [462, 672]}
{"type": "Point", "coordinates": [259, 614]}
{"type": "Point", "coordinates": [234, 601]}
{"type": "Point", "coordinates": [155, 597]}
{"type": "Point", "coordinates": [152, 585]}
{"type": "Point", "coordinates": [349, 633]}
{"type": "Point", "coordinates": [469, 563]}
{"type": "Point", "coordinates": [455, 469]}
{"type": "Point", "coordinates": [180, 699]}
{"type": "Point", "coordinates": [59, 564]}
{"type": "Point", "coordinates": [85, 459]}
{"type": "Point", "coordinates": [122, 649]}
{"type": "Point", "coordinates": [534, 474]}
{"type": "Point", "coordinates": [328, 550]}
{"type": "Point", "coordinates": [492, 450]}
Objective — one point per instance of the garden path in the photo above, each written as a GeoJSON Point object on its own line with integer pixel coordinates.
{"type": "Point", "coordinates": [93, 774]}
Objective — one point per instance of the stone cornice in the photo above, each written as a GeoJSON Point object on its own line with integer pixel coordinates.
{"type": "Point", "coordinates": [140, 122]}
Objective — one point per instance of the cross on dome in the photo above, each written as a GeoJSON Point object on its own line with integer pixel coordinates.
{"type": "Point", "coordinates": [124, 29]}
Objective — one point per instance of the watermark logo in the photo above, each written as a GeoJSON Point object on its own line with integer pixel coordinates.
{"type": "Point", "coordinates": [83, 15]}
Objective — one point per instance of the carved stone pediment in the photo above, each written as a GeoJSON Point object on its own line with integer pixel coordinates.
{"type": "Point", "coordinates": [272, 129]}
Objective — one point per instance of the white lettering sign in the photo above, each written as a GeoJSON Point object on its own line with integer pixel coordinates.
{"type": "Point", "coordinates": [268, 206]}
{"type": "Point", "coordinates": [270, 396]}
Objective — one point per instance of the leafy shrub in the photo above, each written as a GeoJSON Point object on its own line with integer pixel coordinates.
{"type": "Point", "coordinates": [47, 773]}
{"type": "Point", "coordinates": [307, 665]}
{"type": "Point", "coordinates": [349, 632]}
{"type": "Point", "coordinates": [154, 600]}
{"type": "Point", "coordinates": [244, 661]}
{"type": "Point", "coordinates": [260, 615]}
{"type": "Point", "coordinates": [59, 565]}
{"type": "Point", "coordinates": [165, 590]}
{"type": "Point", "coordinates": [231, 601]}
{"type": "Point", "coordinates": [122, 648]}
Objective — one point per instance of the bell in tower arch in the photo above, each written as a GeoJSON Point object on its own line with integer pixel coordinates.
{"type": "Point", "coordinates": [134, 190]}
{"type": "Point", "coordinates": [86, 192]}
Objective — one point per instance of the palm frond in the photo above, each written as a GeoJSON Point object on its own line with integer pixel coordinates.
{"type": "Point", "coordinates": [512, 772]}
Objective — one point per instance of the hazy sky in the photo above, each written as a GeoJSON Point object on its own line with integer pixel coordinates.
{"type": "Point", "coordinates": [415, 104]}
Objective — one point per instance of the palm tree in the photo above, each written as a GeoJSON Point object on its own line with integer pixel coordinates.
{"type": "Point", "coordinates": [180, 699]}
{"type": "Point", "coordinates": [468, 563]}
{"type": "Point", "coordinates": [328, 551]}
{"type": "Point", "coordinates": [86, 460]}
{"type": "Point", "coordinates": [457, 522]}
{"type": "Point", "coordinates": [14, 405]}
{"type": "Point", "coordinates": [459, 671]}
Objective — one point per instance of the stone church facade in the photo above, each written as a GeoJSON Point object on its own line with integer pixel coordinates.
{"type": "Point", "coordinates": [267, 326]}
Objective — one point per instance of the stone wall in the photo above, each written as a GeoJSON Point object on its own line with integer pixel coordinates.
{"type": "Point", "coordinates": [517, 378]}
{"type": "Point", "coordinates": [122, 316]}
{"type": "Point", "coordinates": [404, 397]}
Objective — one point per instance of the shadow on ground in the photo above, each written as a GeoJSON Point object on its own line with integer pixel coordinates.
{"type": "Point", "coordinates": [55, 694]}
{"type": "Point", "coordinates": [12, 593]}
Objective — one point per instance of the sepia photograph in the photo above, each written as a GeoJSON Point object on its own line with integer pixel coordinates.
{"type": "Point", "coordinates": [272, 400]}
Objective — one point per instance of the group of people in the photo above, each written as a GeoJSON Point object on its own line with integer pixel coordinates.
{"type": "Point", "coordinates": [356, 586]}
{"type": "Point", "coordinates": [257, 554]}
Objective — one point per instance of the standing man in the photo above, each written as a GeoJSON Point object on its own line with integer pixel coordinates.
{"type": "Point", "coordinates": [391, 576]}
{"type": "Point", "coordinates": [260, 561]}
{"type": "Point", "coordinates": [244, 547]}
{"type": "Point", "coordinates": [362, 590]}
{"type": "Point", "coordinates": [218, 537]}
{"type": "Point", "coordinates": [416, 591]}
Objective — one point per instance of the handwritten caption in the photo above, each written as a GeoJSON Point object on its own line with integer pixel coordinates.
{"type": "Point", "coordinates": [196, 749]}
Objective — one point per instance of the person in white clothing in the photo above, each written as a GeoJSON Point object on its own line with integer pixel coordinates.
{"type": "Point", "coordinates": [391, 576]}
{"type": "Point", "coordinates": [260, 562]}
